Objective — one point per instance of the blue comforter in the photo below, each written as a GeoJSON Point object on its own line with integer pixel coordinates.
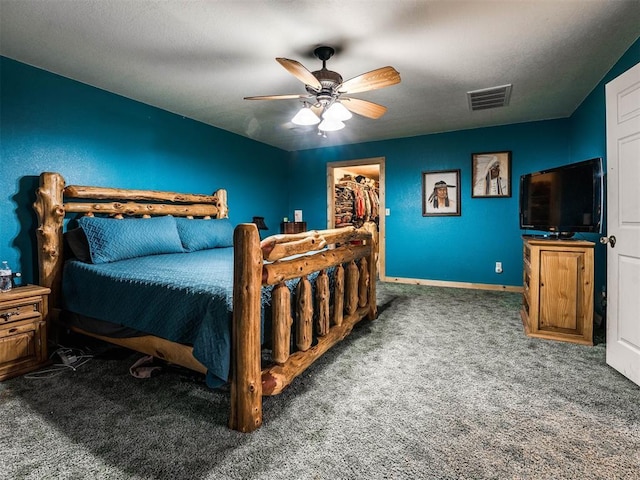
{"type": "Point", "coordinates": [182, 297]}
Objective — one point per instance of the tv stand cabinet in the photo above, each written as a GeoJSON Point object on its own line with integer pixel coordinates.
{"type": "Point", "coordinates": [557, 300]}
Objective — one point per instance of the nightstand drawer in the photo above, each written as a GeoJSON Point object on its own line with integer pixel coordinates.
{"type": "Point", "coordinates": [21, 347]}
{"type": "Point", "coordinates": [18, 310]}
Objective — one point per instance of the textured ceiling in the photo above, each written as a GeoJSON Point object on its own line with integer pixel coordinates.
{"type": "Point", "coordinates": [199, 59]}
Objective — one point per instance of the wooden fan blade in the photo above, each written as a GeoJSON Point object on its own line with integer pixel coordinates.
{"type": "Point", "coordinates": [277, 97]}
{"type": "Point", "coordinates": [379, 78]}
{"type": "Point", "coordinates": [300, 72]}
{"type": "Point", "coordinates": [363, 107]}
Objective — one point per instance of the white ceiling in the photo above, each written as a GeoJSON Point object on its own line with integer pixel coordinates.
{"type": "Point", "coordinates": [200, 58]}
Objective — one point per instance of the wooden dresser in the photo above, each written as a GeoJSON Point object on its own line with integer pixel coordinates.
{"type": "Point", "coordinates": [23, 330]}
{"type": "Point", "coordinates": [557, 300]}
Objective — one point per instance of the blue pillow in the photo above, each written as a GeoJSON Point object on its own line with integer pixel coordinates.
{"type": "Point", "coordinates": [201, 234]}
{"type": "Point", "coordinates": [112, 239]}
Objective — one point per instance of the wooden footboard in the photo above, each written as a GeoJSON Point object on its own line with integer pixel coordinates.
{"type": "Point", "coordinates": [349, 251]}
{"type": "Point", "coordinates": [272, 262]}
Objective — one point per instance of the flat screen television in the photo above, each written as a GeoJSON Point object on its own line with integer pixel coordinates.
{"type": "Point", "coordinates": [563, 200]}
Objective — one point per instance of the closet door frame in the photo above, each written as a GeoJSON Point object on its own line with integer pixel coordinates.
{"type": "Point", "coordinates": [346, 164]}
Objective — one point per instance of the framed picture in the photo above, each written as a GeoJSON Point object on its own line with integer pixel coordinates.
{"type": "Point", "coordinates": [441, 193]}
{"type": "Point", "coordinates": [491, 174]}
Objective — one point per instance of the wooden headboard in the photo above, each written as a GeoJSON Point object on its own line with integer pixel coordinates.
{"type": "Point", "coordinates": [54, 201]}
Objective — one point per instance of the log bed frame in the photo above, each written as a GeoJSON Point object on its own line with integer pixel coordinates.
{"type": "Point", "coordinates": [256, 263]}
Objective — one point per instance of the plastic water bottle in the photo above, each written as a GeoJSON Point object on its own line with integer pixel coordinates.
{"type": "Point", "coordinates": [5, 277]}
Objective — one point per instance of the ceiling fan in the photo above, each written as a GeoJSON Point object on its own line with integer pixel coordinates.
{"type": "Point", "coordinates": [326, 95]}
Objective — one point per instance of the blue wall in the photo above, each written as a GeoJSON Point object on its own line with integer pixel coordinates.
{"type": "Point", "coordinates": [458, 249]}
{"type": "Point", "coordinates": [92, 137]}
{"type": "Point", "coordinates": [465, 248]}
{"type": "Point", "coordinates": [588, 125]}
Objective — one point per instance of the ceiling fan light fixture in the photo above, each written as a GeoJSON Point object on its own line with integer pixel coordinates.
{"type": "Point", "coordinates": [305, 117]}
{"type": "Point", "coordinates": [323, 103]}
{"type": "Point", "coordinates": [330, 125]}
{"type": "Point", "coordinates": [337, 111]}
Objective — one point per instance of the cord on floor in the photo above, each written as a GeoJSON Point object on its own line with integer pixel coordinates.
{"type": "Point", "coordinates": [68, 359]}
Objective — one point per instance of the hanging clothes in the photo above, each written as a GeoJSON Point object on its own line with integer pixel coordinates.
{"type": "Point", "coordinates": [356, 201]}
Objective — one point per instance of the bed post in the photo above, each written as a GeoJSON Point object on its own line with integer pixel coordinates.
{"type": "Point", "coordinates": [373, 270]}
{"type": "Point", "coordinates": [49, 207]}
{"type": "Point", "coordinates": [223, 207]}
{"type": "Point", "coordinates": [246, 372]}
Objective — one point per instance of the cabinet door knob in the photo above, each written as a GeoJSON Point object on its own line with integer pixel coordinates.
{"type": "Point", "coordinates": [6, 316]}
{"type": "Point", "coordinates": [610, 240]}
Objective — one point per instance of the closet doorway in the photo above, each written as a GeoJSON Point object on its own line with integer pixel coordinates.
{"type": "Point", "coordinates": [356, 193]}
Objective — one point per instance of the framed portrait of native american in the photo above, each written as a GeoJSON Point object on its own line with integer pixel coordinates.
{"type": "Point", "coordinates": [491, 174]}
{"type": "Point", "coordinates": [441, 193]}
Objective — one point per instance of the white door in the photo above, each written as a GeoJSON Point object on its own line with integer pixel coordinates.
{"type": "Point", "coordinates": [623, 224]}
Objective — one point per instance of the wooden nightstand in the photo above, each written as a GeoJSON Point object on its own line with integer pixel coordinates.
{"type": "Point", "coordinates": [23, 330]}
{"type": "Point", "coordinates": [293, 227]}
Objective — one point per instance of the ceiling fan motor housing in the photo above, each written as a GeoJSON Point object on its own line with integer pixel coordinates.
{"type": "Point", "coordinates": [330, 81]}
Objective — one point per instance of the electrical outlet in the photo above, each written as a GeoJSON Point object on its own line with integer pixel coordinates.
{"type": "Point", "coordinates": [498, 267]}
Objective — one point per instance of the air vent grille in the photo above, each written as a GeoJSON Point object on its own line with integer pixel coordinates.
{"type": "Point", "coordinates": [486, 98]}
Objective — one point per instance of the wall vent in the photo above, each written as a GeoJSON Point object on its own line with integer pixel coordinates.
{"type": "Point", "coordinates": [486, 98]}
